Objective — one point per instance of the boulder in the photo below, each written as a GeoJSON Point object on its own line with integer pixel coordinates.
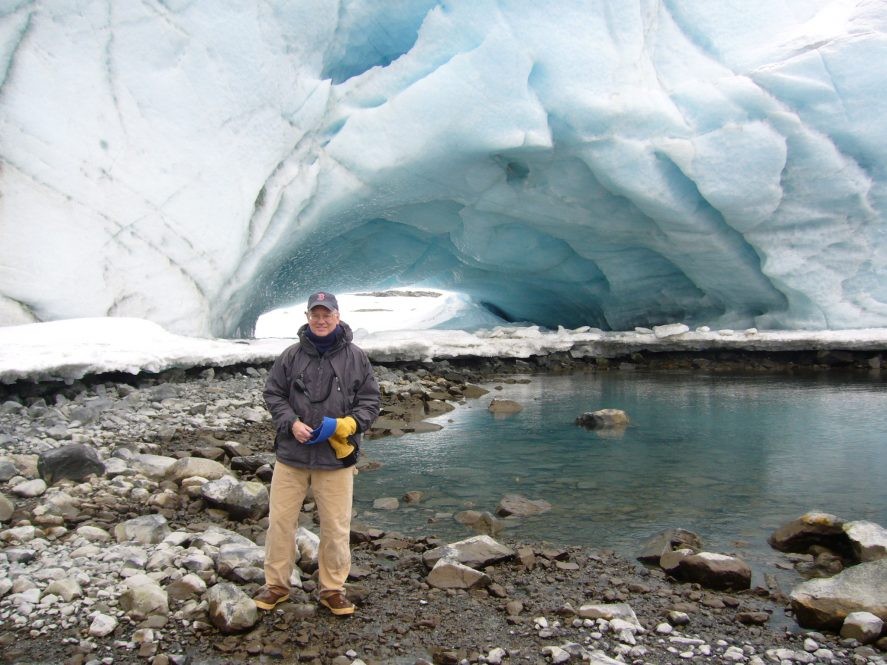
{"type": "Point", "coordinates": [604, 419]}
{"type": "Point", "coordinates": [867, 539]}
{"type": "Point", "coordinates": [240, 499]}
{"type": "Point", "coordinates": [252, 463]}
{"type": "Point", "coordinates": [196, 466]}
{"type": "Point", "coordinates": [386, 503]}
{"type": "Point", "coordinates": [715, 571]}
{"type": "Point", "coordinates": [241, 563]}
{"type": "Point", "coordinates": [504, 406]}
{"type": "Point", "coordinates": [214, 537]}
{"type": "Point", "coordinates": [154, 467]}
{"type": "Point", "coordinates": [74, 462]}
{"type": "Point", "coordinates": [825, 603]}
{"type": "Point", "coordinates": [671, 561]}
{"type": "Point", "coordinates": [146, 529]}
{"type": "Point", "coordinates": [521, 506]}
{"type": "Point", "coordinates": [230, 609]}
{"type": "Point", "coordinates": [667, 541]}
{"type": "Point", "coordinates": [811, 529]}
{"type": "Point", "coordinates": [477, 551]}
{"type": "Point", "coordinates": [863, 627]}
{"type": "Point", "coordinates": [450, 574]}
{"type": "Point", "coordinates": [143, 598]}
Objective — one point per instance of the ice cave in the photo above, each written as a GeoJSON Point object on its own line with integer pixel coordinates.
{"type": "Point", "coordinates": [615, 164]}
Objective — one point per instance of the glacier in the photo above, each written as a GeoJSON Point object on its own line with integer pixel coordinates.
{"type": "Point", "coordinates": [611, 164]}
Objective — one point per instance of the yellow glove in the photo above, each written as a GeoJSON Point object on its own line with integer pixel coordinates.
{"type": "Point", "coordinates": [345, 427]}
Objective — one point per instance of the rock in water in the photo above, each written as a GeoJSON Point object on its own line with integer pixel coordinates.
{"type": "Point", "coordinates": [504, 406]}
{"type": "Point", "coordinates": [604, 419]}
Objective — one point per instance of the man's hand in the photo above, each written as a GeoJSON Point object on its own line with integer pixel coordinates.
{"type": "Point", "coordinates": [301, 431]}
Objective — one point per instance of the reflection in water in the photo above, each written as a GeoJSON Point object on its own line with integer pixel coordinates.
{"type": "Point", "coordinates": [729, 457]}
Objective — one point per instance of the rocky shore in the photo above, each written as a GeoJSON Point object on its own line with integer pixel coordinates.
{"type": "Point", "coordinates": [132, 522]}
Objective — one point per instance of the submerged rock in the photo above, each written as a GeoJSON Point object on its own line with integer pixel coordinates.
{"type": "Point", "coordinates": [604, 419]}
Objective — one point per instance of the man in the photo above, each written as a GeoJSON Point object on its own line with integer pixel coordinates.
{"type": "Point", "coordinates": [322, 395]}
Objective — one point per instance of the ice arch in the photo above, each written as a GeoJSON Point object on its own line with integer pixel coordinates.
{"type": "Point", "coordinates": [614, 164]}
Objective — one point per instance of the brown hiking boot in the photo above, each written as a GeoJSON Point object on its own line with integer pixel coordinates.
{"type": "Point", "coordinates": [337, 603]}
{"type": "Point", "coordinates": [267, 599]}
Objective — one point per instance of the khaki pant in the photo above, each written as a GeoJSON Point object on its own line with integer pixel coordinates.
{"type": "Point", "coordinates": [333, 491]}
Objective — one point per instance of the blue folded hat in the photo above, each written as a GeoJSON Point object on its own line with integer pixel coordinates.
{"type": "Point", "coordinates": [326, 430]}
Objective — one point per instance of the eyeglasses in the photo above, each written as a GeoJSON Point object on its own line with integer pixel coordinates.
{"type": "Point", "coordinates": [329, 316]}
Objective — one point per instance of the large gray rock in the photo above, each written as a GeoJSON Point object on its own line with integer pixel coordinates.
{"type": "Point", "coordinates": [145, 529]}
{"type": "Point", "coordinates": [240, 499]}
{"type": "Point", "coordinates": [449, 574]}
{"type": "Point", "coordinates": [241, 563]}
{"type": "Point", "coordinates": [825, 603]}
{"type": "Point", "coordinates": [477, 551]}
{"type": "Point", "coordinates": [74, 462]}
{"type": "Point", "coordinates": [715, 571]}
{"type": "Point", "coordinates": [811, 529]}
{"type": "Point", "coordinates": [668, 540]}
{"type": "Point", "coordinates": [143, 598]}
{"type": "Point", "coordinates": [230, 609]}
{"type": "Point", "coordinates": [521, 506]}
{"type": "Point", "coordinates": [196, 466]}
{"type": "Point", "coordinates": [151, 466]}
{"type": "Point", "coordinates": [868, 540]}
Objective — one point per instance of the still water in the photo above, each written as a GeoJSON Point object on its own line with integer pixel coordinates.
{"type": "Point", "coordinates": [728, 457]}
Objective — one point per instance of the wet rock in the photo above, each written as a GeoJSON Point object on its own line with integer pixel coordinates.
{"type": "Point", "coordinates": [74, 462]}
{"type": "Point", "coordinates": [715, 571]}
{"type": "Point", "coordinates": [480, 522]}
{"type": "Point", "coordinates": [604, 419]}
{"type": "Point", "coordinates": [386, 503]}
{"type": "Point", "coordinates": [667, 541]}
{"type": "Point", "coordinates": [230, 609]}
{"type": "Point", "coordinates": [825, 603]}
{"type": "Point", "coordinates": [413, 497]}
{"type": "Point", "coordinates": [240, 499]}
{"type": "Point", "coordinates": [521, 506]}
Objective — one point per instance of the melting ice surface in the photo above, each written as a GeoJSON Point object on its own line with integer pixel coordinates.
{"type": "Point", "coordinates": [608, 164]}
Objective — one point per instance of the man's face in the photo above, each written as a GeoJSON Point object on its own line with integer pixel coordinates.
{"type": "Point", "coordinates": [322, 321]}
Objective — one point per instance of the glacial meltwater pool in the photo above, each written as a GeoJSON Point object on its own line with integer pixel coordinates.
{"type": "Point", "coordinates": [728, 457]}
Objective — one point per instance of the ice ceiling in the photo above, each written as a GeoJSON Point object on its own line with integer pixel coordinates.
{"type": "Point", "coordinates": [614, 164]}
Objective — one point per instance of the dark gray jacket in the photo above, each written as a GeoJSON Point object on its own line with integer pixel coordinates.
{"type": "Point", "coordinates": [306, 385]}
